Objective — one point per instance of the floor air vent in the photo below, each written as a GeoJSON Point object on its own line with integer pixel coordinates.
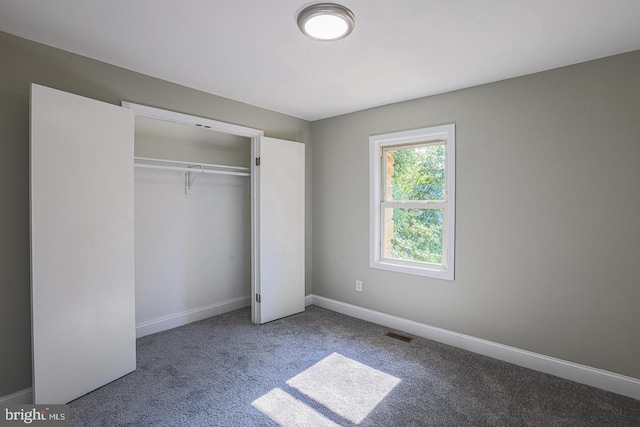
{"type": "Point", "coordinates": [399, 337]}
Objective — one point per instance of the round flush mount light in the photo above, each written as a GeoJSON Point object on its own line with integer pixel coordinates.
{"type": "Point", "coordinates": [326, 21]}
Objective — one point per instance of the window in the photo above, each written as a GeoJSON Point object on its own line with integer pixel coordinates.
{"type": "Point", "coordinates": [412, 183]}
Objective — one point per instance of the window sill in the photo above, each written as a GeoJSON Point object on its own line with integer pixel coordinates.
{"type": "Point", "coordinates": [436, 273]}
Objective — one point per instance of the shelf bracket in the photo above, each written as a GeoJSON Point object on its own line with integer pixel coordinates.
{"type": "Point", "coordinates": [190, 178]}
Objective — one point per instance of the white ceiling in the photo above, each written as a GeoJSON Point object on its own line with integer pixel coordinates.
{"type": "Point", "coordinates": [252, 50]}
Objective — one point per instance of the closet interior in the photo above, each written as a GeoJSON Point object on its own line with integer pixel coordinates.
{"type": "Point", "coordinates": [192, 204]}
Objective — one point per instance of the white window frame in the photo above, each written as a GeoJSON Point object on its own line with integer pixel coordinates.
{"type": "Point", "coordinates": [445, 135]}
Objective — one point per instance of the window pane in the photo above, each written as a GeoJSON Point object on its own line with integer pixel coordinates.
{"type": "Point", "coordinates": [413, 234]}
{"type": "Point", "coordinates": [415, 173]}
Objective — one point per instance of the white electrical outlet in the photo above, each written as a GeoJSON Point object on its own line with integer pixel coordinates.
{"type": "Point", "coordinates": [358, 285]}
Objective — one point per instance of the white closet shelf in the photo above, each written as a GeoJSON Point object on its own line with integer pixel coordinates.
{"type": "Point", "coordinates": [152, 163]}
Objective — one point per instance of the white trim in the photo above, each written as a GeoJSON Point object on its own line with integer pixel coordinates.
{"type": "Point", "coordinates": [606, 380]}
{"type": "Point", "coordinates": [185, 317]}
{"type": "Point", "coordinates": [440, 135]}
{"type": "Point", "coordinates": [21, 397]}
{"type": "Point", "coordinates": [187, 119]}
{"type": "Point", "coordinates": [308, 300]}
{"type": "Point", "coordinates": [413, 268]}
{"type": "Point", "coordinates": [256, 149]}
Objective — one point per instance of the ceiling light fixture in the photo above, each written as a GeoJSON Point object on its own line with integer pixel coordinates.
{"type": "Point", "coordinates": [326, 21]}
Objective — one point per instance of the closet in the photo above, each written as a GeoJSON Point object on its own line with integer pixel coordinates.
{"type": "Point", "coordinates": [147, 219]}
{"type": "Point", "coordinates": [192, 199]}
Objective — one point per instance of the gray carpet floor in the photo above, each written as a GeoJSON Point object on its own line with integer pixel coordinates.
{"type": "Point", "coordinates": [324, 368]}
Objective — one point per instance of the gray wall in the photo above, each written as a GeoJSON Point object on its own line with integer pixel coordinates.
{"type": "Point", "coordinates": [547, 232]}
{"type": "Point", "coordinates": [24, 62]}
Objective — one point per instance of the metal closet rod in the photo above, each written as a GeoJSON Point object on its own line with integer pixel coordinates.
{"type": "Point", "coordinates": [191, 167]}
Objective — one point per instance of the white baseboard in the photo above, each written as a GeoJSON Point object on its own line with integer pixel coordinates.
{"type": "Point", "coordinates": [610, 381]}
{"type": "Point", "coordinates": [18, 398]}
{"type": "Point", "coordinates": [185, 317]}
{"type": "Point", "coordinates": [308, 300]}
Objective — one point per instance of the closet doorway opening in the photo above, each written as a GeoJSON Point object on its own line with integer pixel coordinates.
{"type": "Point", "coordinates": [216, 228]}
{"type": "Point", "coordinates": [192, 204]}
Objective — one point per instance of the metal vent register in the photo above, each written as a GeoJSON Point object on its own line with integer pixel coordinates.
{"type": "Point", "coordinates": [399, 337]}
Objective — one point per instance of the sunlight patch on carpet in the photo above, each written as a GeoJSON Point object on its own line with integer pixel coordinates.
{"type": "Point", "coordinates": [348, 388]}
{"type": "Point", "coordinates": [287, 411]}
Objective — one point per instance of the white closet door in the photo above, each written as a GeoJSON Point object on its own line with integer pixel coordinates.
{"type": "Point", "coordinates": [82, 253]}
{"type": "Point", "coordinates": [280, 223]}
